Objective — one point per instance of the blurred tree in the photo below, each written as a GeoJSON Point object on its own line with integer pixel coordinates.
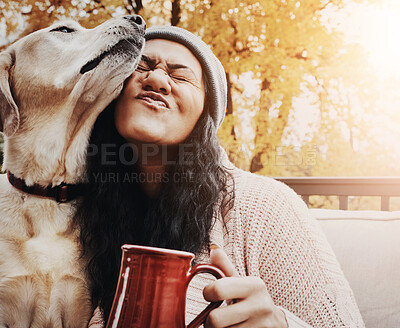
{"type": "Point", "coordinates": [1, 150]}
{"type": "Point", "coordinates": [281, 42]}
{"type": "Point", "coordinates": [289, 46]}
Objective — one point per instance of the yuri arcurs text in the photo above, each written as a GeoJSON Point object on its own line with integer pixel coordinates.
{"type": "Point", "coordinates": [145, 177]}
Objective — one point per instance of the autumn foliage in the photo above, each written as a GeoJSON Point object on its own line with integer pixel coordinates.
{"type": "Point", "coordinates": [284, 61]}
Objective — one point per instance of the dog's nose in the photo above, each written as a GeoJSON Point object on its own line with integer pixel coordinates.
{"type": "Point", "coordinates": [137, 20]}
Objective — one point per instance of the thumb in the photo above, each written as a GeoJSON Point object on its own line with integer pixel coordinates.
{"type": "Point", "coordinates": [219, 258]}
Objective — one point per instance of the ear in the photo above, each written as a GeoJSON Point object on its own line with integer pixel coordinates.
{"type": "Point", "coordinates": [9, 115]}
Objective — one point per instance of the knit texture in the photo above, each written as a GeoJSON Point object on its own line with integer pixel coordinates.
{"type": "Point", "coordinates": [269, 233]}
{"type": "Point", "coordinates": [211, 66]}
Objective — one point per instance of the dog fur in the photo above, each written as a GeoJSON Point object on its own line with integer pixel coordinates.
{"type": "Point", "coordinates": [48, 108]}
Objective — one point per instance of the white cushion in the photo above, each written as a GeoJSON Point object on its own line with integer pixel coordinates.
{"type": "Point", "coordinates": [367, 246]}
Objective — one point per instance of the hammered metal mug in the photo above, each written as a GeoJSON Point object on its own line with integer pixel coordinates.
{"type": "Point", "coordinates": [151, 290]}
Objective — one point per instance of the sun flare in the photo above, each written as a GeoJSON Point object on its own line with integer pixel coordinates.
{"type": "Point", "coordinates": [380, 36]}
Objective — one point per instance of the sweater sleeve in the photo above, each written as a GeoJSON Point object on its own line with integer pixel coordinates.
{"type": "Point", "coordinates": [275, 238]}
{"type": "Point", "coordinates": [97, 320]}
{"type": "Point", "coordinates": [293, 321]}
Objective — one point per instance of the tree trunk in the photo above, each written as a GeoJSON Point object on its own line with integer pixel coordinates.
{"type": "Point", "coordinates": [229, 105]}
{"type": "Point", "coordinates": [256, 164]}
{"type": "Point", "coordinates": [176, 12]}
{"type": "Point", "coordinates": [136, 7]}
{"type": "Point", "coordinates": [262, 138]}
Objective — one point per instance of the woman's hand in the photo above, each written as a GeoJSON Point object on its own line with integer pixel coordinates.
{"type": "Point", "coordinates": [249, 303]}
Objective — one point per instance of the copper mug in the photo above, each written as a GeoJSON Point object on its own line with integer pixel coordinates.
{"type": "Point", "coordinates": [151, 290]}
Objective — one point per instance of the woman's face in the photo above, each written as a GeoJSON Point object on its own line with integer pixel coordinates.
{"type": "Point", "coordinates": [163, 99]}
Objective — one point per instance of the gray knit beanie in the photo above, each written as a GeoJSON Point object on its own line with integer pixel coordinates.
{"type": "Point", "coordinates": [212, 67]}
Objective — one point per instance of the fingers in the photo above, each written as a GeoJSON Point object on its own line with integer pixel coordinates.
{"type": "Point", "coordinates": [247, 313]}
{"type": "Point", "coordinates": [219, 258]}
{"type": "Point", "coordinates": [233, 288]}
{"type": "Point", "coordinates": [252, 306]}
{"type": "Point", "coordinates": [227, 316]}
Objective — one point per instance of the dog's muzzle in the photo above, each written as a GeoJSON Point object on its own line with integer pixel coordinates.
{"type": "Point", "coordinates": [123, 46]}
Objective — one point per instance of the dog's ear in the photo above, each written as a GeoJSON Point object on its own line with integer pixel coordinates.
{"type": "Point", "coordinates": [9, 114]}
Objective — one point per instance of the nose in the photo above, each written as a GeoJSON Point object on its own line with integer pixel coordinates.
{"type": "Point", "coordinates": [136, 19]}
{"type": "Point", "coordinates": [157, 81]}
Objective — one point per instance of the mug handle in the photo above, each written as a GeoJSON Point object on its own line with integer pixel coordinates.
{"type": "Point", "coordinates": [217, 273]}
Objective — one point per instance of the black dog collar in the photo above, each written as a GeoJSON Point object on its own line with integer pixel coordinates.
{"type": "Point", "coordinates": [61, 193]}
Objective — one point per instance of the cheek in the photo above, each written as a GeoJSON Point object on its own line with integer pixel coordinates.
{"type": "Point", "coordinates": [132, 86]}
{"type": "Point", "coordinates": [123, 112]}
{"type": "Point", "coordinates": [197, 106]}
{"type": "Point", "coordinates": [120, 117]}
{"type": "Point", "coordinates": [192, 102]}
{"type": "Point", "coordinates": [192, 115]}
{"type": "Point", "coordinates": [126, 99]}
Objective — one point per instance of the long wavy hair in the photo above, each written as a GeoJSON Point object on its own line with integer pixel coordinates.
{"type": "Point", "coordinates": [115, 210]}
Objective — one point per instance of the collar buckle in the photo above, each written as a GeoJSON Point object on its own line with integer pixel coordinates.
{"type": "Point", "coordinates": [62, 193]}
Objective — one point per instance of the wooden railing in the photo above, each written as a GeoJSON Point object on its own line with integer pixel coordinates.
{"type": "Point", "coordinates": [384, 187]}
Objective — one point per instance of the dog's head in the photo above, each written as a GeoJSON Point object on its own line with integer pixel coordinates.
{"type": "Point", "coordinates": [67, 65]}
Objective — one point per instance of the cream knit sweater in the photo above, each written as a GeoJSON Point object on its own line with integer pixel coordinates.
{"type": "Point", "coordinates": [269, 233]}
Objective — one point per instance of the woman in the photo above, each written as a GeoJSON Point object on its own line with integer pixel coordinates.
{"type": "Point", "coordinates": [160, 178]}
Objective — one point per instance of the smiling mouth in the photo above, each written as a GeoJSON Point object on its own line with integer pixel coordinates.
{"type": "Point", "coordinates": [121, 46]}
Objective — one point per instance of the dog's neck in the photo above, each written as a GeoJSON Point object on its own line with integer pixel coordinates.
{"type": "Point", "coordinates": [51, 152]}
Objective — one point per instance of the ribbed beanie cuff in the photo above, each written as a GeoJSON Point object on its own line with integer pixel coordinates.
{"type": "Point", "coordinates": [212, 67]}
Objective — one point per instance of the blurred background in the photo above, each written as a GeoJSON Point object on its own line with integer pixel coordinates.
{"type": "Point", "coordinates": [313, 85]}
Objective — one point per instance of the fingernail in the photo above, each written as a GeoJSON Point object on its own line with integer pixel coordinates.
{"type": "Point", "coordinates": [214, 246]}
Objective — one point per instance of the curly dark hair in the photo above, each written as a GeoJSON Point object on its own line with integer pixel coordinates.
{"type": "Point", "coordinates": [115, 210]}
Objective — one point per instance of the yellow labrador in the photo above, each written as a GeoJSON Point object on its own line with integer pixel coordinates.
{"type": "Point", "coordinates": [53, 84]}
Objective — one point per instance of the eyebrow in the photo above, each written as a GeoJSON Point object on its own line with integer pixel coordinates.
{"type": "Point", "coordinates": [172, 66]}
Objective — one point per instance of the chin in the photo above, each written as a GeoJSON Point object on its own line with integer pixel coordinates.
{"type": "Point", "coordinates": [142, 135]}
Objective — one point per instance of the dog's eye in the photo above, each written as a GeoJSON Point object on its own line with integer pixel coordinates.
{"type": "Point", "coordinates": [63, 29]}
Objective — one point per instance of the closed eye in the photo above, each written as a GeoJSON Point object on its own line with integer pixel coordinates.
{"type": "Point", "coordinates": [142, 68]}
{"type": "Point", "coordinates": [179, 78]}
{"type": "Point", "coordinates": [63, 29]}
